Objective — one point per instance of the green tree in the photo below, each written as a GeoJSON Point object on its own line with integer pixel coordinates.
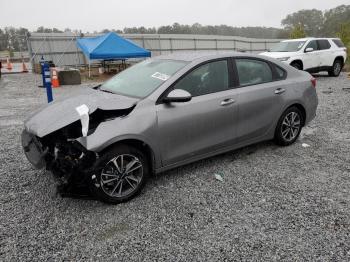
{"type": "Point", "coordinates": [15, 38]}
{"type": "Point", "coordinates": [55, 30]}
{"type": "Point", "coordinates": [312, 21]}
{"type": "Point", "coordinates": [344, 33]}
{"type": "Point", "coordinates": [117, 31]}
{"type": "Point", "coordinates": [3, 40]}
{"type": "Point", "coordinates": [334, 18]}
{"type": "Point", "coordinates": [42, 29]}
{"type": "Point", "coordinates": [297, 32]}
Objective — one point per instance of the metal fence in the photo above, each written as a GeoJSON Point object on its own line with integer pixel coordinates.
{"type": "Point", "coordinates": [62, 50]}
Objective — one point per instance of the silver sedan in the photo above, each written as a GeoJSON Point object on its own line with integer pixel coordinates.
{"type": "Point", "coordinates": [166, 112]}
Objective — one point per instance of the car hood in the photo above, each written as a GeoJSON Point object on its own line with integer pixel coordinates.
{"type": "Point", "coordinates": [62, 112]}
{"type": "Point", "coordinates": [279, 54]}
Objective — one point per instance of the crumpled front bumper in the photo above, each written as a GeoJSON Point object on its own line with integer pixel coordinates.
{"type": "Point", "coordinates": [33, 150]}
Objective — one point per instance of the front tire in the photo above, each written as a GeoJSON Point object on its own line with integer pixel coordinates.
{"type": "Point", "coordinates": [120, 174]}
{"type": "Point", "coordinates": [336, 68]}
{"type": "Point", "coordinates": [289, 127]}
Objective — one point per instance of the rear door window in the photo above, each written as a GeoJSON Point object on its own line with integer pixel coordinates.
{"type": "Point", "coordinates": [323, 44]}
{"type": "Point", "coordinates": [252, 72]}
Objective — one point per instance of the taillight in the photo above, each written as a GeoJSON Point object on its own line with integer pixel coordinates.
{"type": "Point", "coordinates": [313, 82]}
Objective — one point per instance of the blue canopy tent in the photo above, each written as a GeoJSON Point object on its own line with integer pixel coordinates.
{"type": "Point", "coordinates": [110, 47]}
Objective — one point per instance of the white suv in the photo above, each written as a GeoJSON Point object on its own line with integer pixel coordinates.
{"type": "Point", "coordinates": [311, 54]}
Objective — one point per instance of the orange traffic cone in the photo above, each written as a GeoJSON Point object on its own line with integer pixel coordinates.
{"type": "Point", "coordinates": [9, 65]}
{"type": "Point", "coordinates": [24, 67]}
{"type": "Point", "coordinates": [54, 78]}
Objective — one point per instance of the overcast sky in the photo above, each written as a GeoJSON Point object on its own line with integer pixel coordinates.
{"type": "Point", "coordinates": [90, 15]}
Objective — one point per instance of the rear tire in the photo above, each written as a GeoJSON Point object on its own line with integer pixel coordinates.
{"type": "Point", "coordinates": [289, 127]}
{"type": "Point", "coordinates": [120, 174]}
{"type": "Point", "coordinates": [336, 68]}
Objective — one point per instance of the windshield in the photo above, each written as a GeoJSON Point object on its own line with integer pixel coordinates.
{"type": "Point", "coordinates": [143, 78]}
{"type": "Point", "coordinates": [291, 46]}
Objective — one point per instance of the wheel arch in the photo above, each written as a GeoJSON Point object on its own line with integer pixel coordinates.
{"type": "Point", "coordinates": [341, 58]}
{"type": "Point", "coordinates": [301, 108]}
{"type": "Point", "coordinates": [299, 61]}
{"type": "Point", "coordinates": [139, 144]}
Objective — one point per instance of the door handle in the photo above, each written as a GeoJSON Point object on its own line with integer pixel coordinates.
{"type": "Point", "coordinates": [280, 91]}
{"type": "Point", "coordinates": [227, 101]}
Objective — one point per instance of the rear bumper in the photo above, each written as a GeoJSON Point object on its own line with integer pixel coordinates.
{"type": "Point", "coordinates": [311, 107]}
{"type": "Point", "coordinates": [33, 150]}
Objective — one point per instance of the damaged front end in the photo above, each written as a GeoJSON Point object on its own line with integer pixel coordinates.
{"type": "Point", "coordinates": [58, 150]}
{"type": "Point", "coordinates": [60, 153]}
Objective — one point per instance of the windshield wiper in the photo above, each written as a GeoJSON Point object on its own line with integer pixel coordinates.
{"type": "Point", "coordinates": [103, 90]}
{"type": "Point", "coordinates": [107, 91]}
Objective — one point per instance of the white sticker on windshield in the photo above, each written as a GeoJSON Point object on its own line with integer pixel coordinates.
{"type": "Point", "coordinates": [160, 76]}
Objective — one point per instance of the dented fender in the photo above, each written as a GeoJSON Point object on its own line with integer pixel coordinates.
{"type": "Point", "coordinates": [123, 128]}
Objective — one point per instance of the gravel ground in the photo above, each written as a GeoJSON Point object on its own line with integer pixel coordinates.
{"type": "Point", "coordinates": [275, 203]}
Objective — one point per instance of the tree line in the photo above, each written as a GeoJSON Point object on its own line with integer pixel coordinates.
{"type": "Point", "coordinates": [311, 22]}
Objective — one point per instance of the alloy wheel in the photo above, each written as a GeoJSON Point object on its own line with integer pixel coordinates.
{"type": "Point", "coordinates": [291, 126]}
{"type": "Point", "coordinates": [121, 176]}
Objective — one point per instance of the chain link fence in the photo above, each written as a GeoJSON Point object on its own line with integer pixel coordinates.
{"type": "Point", "coordinates": [61, 48]}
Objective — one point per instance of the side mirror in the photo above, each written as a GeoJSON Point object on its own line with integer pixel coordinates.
{"type": "Point", "coordinates": [309, 49]}
{"type": "Point", "coordinates": [177, 95]}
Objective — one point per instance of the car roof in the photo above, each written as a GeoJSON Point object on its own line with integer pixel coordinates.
{"type": "Point", "coordinates": [298, 39]}
{"type": "Point", "coordinates": [310, 38]}
{"type": "Point", "coordinates": [196, 55]}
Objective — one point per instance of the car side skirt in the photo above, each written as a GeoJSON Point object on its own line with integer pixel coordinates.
{"type": "Point", "coordinates": [269, 136]}
{"type": "Point", "coordinates": [319, 69]}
